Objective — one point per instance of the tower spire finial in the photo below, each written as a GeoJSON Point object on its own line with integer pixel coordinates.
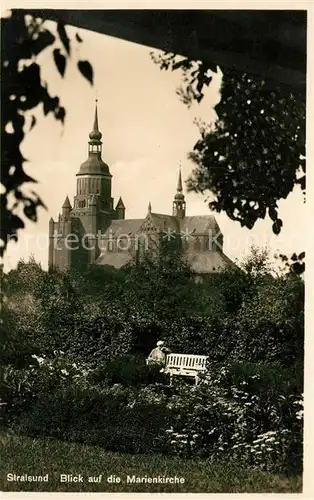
{"type": "Point", "coordinates": [95, 127]}
{"type": "Point", "coordinates": [179, 205]}
{"type": "Point", "coordinates": [149, 208]}
{"type": "Point", "coordinates": [179, 187]}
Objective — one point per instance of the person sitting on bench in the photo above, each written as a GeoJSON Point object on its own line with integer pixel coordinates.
{"type": "Point", "coordinates": [158, 355]}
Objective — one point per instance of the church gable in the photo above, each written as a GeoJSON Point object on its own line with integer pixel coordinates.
{"type": "Point", "coordinates": [149, 225]}
{"type": "Point", "coordinates": [160, 223]}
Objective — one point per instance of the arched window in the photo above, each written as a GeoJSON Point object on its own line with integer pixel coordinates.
{"type": "Point", "coordinates": [82, 203]}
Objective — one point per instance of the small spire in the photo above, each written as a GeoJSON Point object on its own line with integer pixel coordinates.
{"type": "Point", "coordinates": [120, 203]}
{"type": "Point", "coordinates": [179, 187]}
{"type": "Point", "coordinates": [149, 208]}
{"type": "Point", "coordinates": [66, 203]}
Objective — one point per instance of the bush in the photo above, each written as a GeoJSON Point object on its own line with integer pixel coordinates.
{"type": "Point", "coordinates": [252, 413]}
{"type": "Point", "coordinates": [128, 370]}
{"type": "Point", "coordinates": [234, 414]}
{"type": "Point", "coordinates": [20, 388]}
{"type": "Point", "coordinates": [112, 417]}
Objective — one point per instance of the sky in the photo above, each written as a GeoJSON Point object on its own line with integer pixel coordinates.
{"type": "Point", "coordinates": [147, 133]}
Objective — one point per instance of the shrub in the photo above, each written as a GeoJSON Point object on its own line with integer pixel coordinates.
{"type": "Point", "coordinates": [111, 417]}
{"type": "Point", "coordinates": [232, 415]}
{"type": "Point", "coordinates": [128, 370]}
{"type": "Point", "coordinates": [251, 413]}
{"type": "Point", "coordinates": [20, 388]}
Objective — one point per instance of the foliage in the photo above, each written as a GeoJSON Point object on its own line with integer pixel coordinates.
{"type": "Point", "coordinates": [248, 314]}
{"type": "Point", "coordinates": [107, 416]}
{"type": "Point", "coordinates": [165, 283]}
{"type": "Point", "coordinates": [23, 39]}
{"type": "Point", "coordinates": [254, 156]}
{"type": "Point", "coordinates": [256, 423]}
{"type": "Point", "coordinates": [253, 415]}
{"type": "Point", "coordinates": [271, 324]}
{"type": "Point", "coordinates": [21, 386]}
{"type": "Point", "coordinates": [257, 263]}
{"type": "Point", "coordinates": [74, 360]}
{"type": "Point", "coordinates": [127, 370]}
{"type": "Point", "coordinates": [295, 264]}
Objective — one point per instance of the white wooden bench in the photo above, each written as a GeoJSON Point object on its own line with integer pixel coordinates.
{"type": "Point", "coordinates": [190, 365]}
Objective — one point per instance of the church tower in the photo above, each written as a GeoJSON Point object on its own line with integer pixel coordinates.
{"type": "Point", "coordinates": [93, 203]}
{"type": "Point", "coordinates": [94, 179]}
{"type": "Point", "coordinates": [179, 205]}
{"type": "Point", "coordinates": [74, 237]}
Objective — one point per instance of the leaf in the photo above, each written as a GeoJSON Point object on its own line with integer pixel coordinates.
{"type": "Point", "coordinates": [179, 64]}
{"type": "Point", "coordinates": [64, 37]}
{"type": "Point", "coordinates": [60, 114]}
{"type": "Point", "coordinates": [272, 213]}
{"type": "Point", "coordinates": [31, 212]}
{"type": "Point", "coordinates": [44, 39]}
{"type": "Point", "coordinates": [50, 103]}
{"type": "Point", "coordinates": [302, 182]}
{"type": "Point", "coordinates": [200, 84]}
{"type": "Point", "coordinates": [33, 123]}
{"type": "Point", "coordinates": [277, 226]}
{"type": "Point", "coordinates": [301, 256]}
{"type": "Point", "coordinates": [86, 70]}
{"type": "Point", "coordinates": [60, 61]}
{"type": "Point", "coordinates": [298, 268]}
{"type": "Point", "coordinates": [207, 80]}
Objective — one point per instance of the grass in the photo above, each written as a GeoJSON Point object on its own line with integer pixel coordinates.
{"type": "Point", "coordinates": [24, 455]}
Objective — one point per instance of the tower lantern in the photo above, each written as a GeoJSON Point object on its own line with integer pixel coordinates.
{"type": "Point", "coordinates": [94, 144]}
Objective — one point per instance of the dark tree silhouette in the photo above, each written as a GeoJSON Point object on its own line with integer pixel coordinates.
{"type": "Point", "coordinates": [254, 156]}
{"type": "Point", "coordinates": [23, 89]}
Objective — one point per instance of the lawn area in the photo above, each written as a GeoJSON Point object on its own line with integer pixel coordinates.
{"type": "Point", "coordinates": [26, 456]}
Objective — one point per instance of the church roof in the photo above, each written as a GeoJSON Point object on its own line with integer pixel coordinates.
{"type": "Point", "coordinates": [123, 227]}
{"type": "Point", "coordinates": [114, 259]}
{"type": "Point", "coordinates": [207, 262]}
{"type": "Point", "coordinates": [199, 224]}
{"type": "Point", "coordinates": [164, 222]}
{"type": "Point", "coordinates": [202, 262]}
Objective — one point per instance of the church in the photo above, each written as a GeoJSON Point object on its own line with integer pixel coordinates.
{"type": "Point", "coordinates": [94, 231]}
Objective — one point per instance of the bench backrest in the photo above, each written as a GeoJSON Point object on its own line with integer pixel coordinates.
{"type": "Point", "coordinates": [187, 361]}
